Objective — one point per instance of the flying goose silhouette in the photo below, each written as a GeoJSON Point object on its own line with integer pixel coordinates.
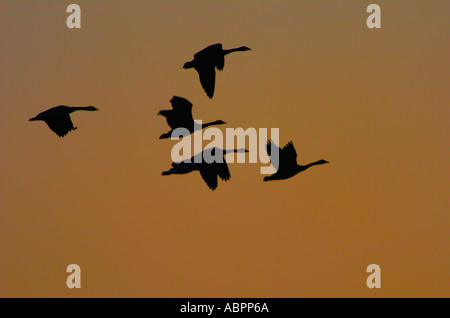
{"type": "Point", "coordinates": [181, 117]}
{"type": "Point", "coordinates": [58, 118]}
{"type": "Point", "coordinates": [205, 162]}
{"type": "Point", "coordinates": [206, 61]}
{"type": "Point", "coordinates": [287, 166]}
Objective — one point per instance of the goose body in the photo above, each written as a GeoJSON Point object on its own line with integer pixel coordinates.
{"type": "Point", "coordinates": [180, 116]}
{"type": "Point", "coordinates": [206, 61]}
{"type": "Point", "coordinates": [58, 118]}
{"type": "Point", "coordinates": [287, 161]}
{"type": "Point", "coordinates": [204, 162]}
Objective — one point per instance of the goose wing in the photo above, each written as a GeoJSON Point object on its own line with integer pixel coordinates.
{"type": "Point", "coordinates": [213, 55]}
{"type": "Point", "coordinates": [209, 175]}
{"type": "Point", "coordinates": [271, 145]}
{"type": "Point", "coordinates": [222, 171]}
{"type": "Point", "coordinates": [288, 155]}
{"type": "Point", "coordinates": [60, 124]}
{"type": "Point", "coordinates": [181, 113]}
{"type": "Point", "coordinates": [272, 148]}
{"type": "Point", "coordinates": [182, 107]}
{"type": "Point", "coordinates": [207, 75]}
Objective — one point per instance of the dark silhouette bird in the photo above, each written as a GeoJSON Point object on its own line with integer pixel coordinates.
{"type": "Point", "coordinates": [210, 163]}
{"type": "Point", "coordinates": [58, 118]}
{"type": "Point", "coordinates": [181, 117]}
{"type": "Point", "coordinates": [287, 161]}
{"type": "Point", "coordinates": [206, 61]}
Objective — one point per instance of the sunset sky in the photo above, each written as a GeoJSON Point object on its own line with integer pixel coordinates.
{"type": "Point", "coordinates": [373, 102]}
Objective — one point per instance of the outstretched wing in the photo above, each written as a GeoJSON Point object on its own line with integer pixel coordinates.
{"type": "Point", "coordinates": [222, 170]}
{"type": "Point", "coordinates": [274, 153]}
{"type": "Point", "coordinates": [207, 75]}
{"type": "Point", "coordinates": [288, 155]}
{"type": "Point", "coordinates": [209, 175]}
{"type": "Point", "coordinates": [60, 125]}
{"type": "Point", "coordinates": [182, 107]}
{"type": "Point", "coordinates": [180, 115]}
{"type": "Point", "coordinates": [271, 146]}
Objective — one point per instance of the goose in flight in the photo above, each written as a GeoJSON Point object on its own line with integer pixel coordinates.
{"type": "Point", "coordinates": [181, 117]}
{"type": "Point", "coordinates": [206, 61]}
{"type": "Point", "coordinates": [58, 118]}
{"type": "Point", "coordinates": [210, 163]}
{"type": "Point", "coordinates": [287, 161]}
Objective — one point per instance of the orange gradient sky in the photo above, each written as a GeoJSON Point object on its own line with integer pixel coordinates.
{"type": "Point", "coordinates": [372, 102]}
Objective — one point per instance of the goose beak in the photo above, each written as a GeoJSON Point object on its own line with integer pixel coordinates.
{"type": "Point", "coordinates": [32, 119]}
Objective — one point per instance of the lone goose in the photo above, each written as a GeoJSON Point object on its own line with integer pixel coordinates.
{"type": "Point", "coordinates": [58, 118]}
{"type": "Point", "coordinates": [206, 61]}
{"type": "Point", "coordinates": [288, 166]}
{"type": "Point", "coordinates": [210, 163]}
{"type": "Point", "coordinates": [181, 117]}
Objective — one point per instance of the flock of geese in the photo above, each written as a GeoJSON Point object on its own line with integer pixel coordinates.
{"type": "Point", "coordinates": [205, 63]}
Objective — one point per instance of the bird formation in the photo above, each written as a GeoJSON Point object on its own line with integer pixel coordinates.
{"type": "Point", "coordinates": [205, 63]}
